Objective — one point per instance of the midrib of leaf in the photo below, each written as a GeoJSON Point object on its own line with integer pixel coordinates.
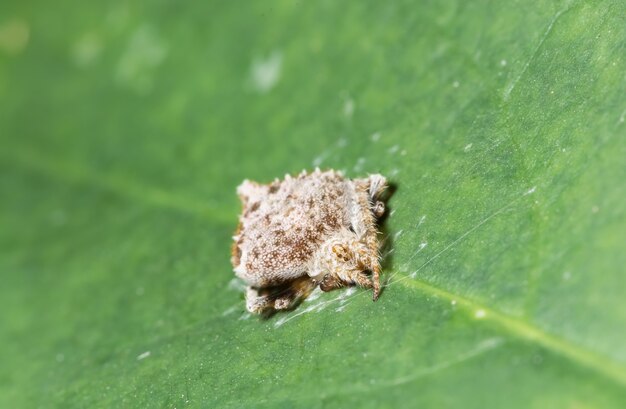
{"type": "Point", "coordinates": [524, 330]}
{"type": "Point", "coordinates": [515, 326]}
{"type": "Point", "coordinates": [122, 186]}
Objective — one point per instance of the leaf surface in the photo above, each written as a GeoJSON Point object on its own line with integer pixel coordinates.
{"type": "Point", "coordinates": [125, 129]}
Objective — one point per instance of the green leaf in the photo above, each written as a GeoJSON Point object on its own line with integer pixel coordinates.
{"type": "Point", "coordinates": [126, 128]}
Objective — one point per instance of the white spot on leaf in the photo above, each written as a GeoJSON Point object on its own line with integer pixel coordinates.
{"type": "Point", "coordinates": [359, 164]}
{"type": "Point", "coordinates": [265, 72]}
{"type": "Point", "coordinates": [393, 149]}
{"type": "Point", "coordinates": [144, 53]}
{"type": "Point", "coordinates": [86, 50]}
{"type": "Point", "coordinates": [348, 108]}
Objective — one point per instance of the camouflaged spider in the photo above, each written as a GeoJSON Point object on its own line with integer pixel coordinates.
{"type": "Point", "coordinates": [315, 229]}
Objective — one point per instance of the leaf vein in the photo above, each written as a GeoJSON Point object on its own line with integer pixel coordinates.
{"type": "Point", "coordinates": [523, 330]}
{"type": "Point", "coordinates": [119, 185]}
{"type": "Point", "coordinates": [535, 53]}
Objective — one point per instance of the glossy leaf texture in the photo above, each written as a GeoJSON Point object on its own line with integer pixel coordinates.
{"type": "Point", "coordinates": [126, 126]}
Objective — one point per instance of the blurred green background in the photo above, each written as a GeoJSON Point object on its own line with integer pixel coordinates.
{"type": "Point", "coordinates": [125, 128]}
